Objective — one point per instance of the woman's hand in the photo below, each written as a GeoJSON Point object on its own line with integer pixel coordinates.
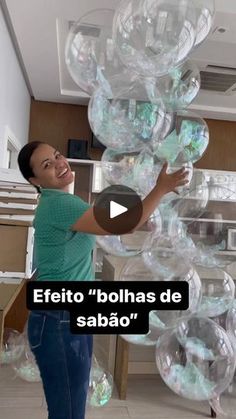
{"type": "Point", "coordinates": [169, 182]}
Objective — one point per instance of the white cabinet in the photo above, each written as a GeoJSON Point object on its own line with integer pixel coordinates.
{"type": "Point", "coordinates": [18, 201]}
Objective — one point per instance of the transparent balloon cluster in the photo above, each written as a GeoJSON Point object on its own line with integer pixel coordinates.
{"type": "Point", "coordinates": [134, 64]}
{"type": "Point", "coordinates": [195, 348]}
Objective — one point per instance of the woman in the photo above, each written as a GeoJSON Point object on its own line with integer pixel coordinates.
{"type": "Point", "coordinates": [65, 229]}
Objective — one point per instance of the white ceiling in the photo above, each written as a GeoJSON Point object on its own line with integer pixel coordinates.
{"type": "Point", "coordinates": [40, 28]}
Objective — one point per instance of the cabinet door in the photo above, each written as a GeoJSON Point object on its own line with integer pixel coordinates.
{"type": "Point", "coordinates": [16, 251]}
{"type": "Point", "coordinates": [82, 180]}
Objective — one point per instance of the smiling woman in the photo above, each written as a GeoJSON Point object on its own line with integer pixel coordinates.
{"type": "Point", "coordinates": [64, 239]}
{"type": "Point", "coordinates": [64, 359]}
{"type": "Point", "coordinates": [49, 168]}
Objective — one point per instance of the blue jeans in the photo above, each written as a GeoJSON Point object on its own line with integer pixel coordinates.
{"type": "Point", "coordinates": [64, 361]}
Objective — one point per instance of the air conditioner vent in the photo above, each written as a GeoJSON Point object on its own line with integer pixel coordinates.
{"type": "Point", "coordinates": [87, 30]}
{"type": "Point", "coordinates": [219, 82]}
{"type": "Point", "coordinates": [220, 68]}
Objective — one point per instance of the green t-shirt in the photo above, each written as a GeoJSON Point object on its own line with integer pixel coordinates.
{"type": "Point", "coordinates": [60, 253]}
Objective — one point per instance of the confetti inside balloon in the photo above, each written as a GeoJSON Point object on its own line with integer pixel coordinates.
{"type": "Point", "coordinates": [191, 361]}
{"type": "Point", "coordinates": [146, 171]}
{"type": "Point", "coordinates": [100, 385]}
{"type": "Point", "coordinates": [90, 53]}
{"type": "Point", "coordinates": [128, 115]}
{"type": "Point", "coordinates": [180, 86]}
{"type": "Point", "coordinates": [118, 166]}
{"type": "Point", "coordinates": [187, 142]}
{"type": "Point", "coordinates": [153, 36]}
{"type": "Point", "coordinates": [26, 368]}
{"type": "Point", "coordinates": [218, 291]}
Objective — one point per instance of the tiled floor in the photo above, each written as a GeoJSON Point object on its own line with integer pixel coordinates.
{"type": "Point", "coordinates": [148, 398]}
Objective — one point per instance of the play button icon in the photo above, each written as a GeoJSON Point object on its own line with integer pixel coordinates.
{"type": "Point", "coordinates": [118, 209]}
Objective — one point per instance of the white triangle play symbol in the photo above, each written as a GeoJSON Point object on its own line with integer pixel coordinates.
{"type": "Point", "coordinates": [116, 209]}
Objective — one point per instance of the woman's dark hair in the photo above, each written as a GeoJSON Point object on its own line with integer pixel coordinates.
{"type": "Point", "coordinates": [24, 157]}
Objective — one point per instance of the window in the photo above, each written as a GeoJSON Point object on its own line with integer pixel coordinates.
{"type": "Point", "coordinates": [12, 147]}
{"type": "Point", "coordinates": [8, 160]}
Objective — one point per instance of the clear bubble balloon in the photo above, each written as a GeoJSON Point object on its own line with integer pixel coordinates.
{"type": "Point", "coordinates": [118, 167]}
{"type": "Point", "coordinates": [13, 346]}
{"type": "Point", "coordinates": [187, 142]}
{"type": "Point", "coordinates": [128, 115]}
{"type": "Point", "coordinates": [198, 181]}
{"type": "Point", "coordinates": [168, 124]}
{"type": "Point", "coordinates": [161, 320]}
{"type": "Point", "coordinates": [100, 353]}
{"type": "Point", "coordinates": [90, 52]}
{"type": "Point", "coordinates": [173, 227]}
{"type": "Point", "coordinates": [100, 385]}
{"type": "Point", "coordinates": [231, 323]}
{"type": "Point", "coordinates": [192, 203]}
{"type": "Point", "coordinates": [115, 245]}
{"type": "Point", "coordinates": [202, 212]}
{"type": "Point", "coordinates": [218, 291]}
{"type": "Point", "coordinates": [136, 270]}
{"type": "Point", "coordinates": [128, 245]}
{"type": "Point", "coordinates": [26, 368]}
{"type": "Point", "coordinates": [209, 228]}
{"type": "Point", "coordinates": [171, 224]}
{"type": "Point", "coordinates": [193, 137]}
{"type": "Point", "coordinates": [205, 19]}
{"type": "Point", "coordinates": [156, 328]}
{"type": "Point", "coordinates": [168, 319]}
{"type": "Point", "coordinates": [153, 224]}
{"type": "Point", "coordinates": [180, 86]}
{"type": "Point", "coordinates": [160, 257]}
{"type": "Point", "coordinates": [153, 36]}
{"type": "Point", "coordinates": [196, 359]}
{"type": "Point", "coordinates": [146, 171]}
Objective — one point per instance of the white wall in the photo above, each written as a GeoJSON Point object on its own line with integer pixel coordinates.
{"type": "Point", "coordinates": [14, 95]}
